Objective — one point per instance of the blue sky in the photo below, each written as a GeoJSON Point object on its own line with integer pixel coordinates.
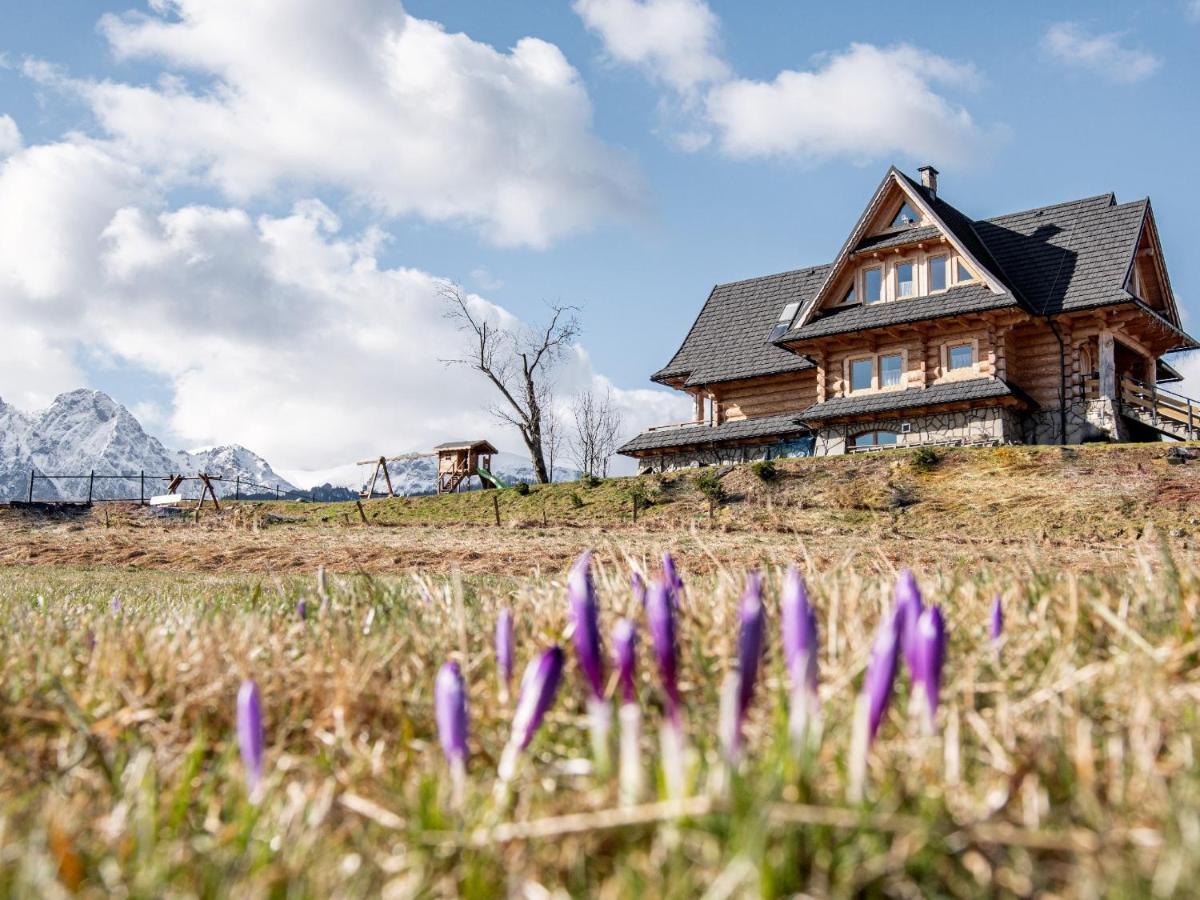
{"type": "Point", "coordinates": [1110, 105]}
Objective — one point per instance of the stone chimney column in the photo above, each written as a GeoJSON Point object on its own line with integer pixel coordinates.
{"type": "Point", "coordinates": [929, 178]}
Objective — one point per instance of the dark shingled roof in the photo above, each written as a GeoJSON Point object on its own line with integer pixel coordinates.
{"type": "Point", "coordinates": [956, 301]}
{"type": "Point", "coordinates": [729, 338]}
{"type": "Point", "coordinates": [898, 237]}
{"type": "Point", "coordinates": [913, 398]}
{"type": "Point", "coordinates": [1069, 256]}
{"type": "Point", "coordinates": [703, 435]}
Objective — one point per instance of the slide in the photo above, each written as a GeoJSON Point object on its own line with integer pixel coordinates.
{"type": "Point", "coordinates": [488, 478]}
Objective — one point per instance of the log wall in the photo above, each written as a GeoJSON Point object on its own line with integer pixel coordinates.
{"type": "Point", "coordinates": [766, 396]}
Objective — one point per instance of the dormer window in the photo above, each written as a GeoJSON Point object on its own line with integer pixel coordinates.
{"type": "Point", "coordinates": [906, 279]}
{"type": "Point", "coordinates": [851, 297]}
{"type": "Point", "coordinates": [905, 217]}
{"type": "Point", "coordinates": [785, 322]}
{"type": "Point", "coordinates": [937, 273]}
{"type": "Point", "coordinates": [962, 273]}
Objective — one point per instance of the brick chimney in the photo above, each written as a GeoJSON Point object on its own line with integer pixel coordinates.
{"type": "Point", "coordinates": [929, 178]}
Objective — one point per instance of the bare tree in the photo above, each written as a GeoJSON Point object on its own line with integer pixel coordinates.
{"type": "Point", "coordinates": [597, 425]}
{"type": "Point", "coordinates": [518, 362]}
{"type": "Point", "coordinates": [553, 437]}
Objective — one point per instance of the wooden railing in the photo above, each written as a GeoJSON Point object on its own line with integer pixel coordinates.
{"type": "Point", "coordinates": [1161, 406]}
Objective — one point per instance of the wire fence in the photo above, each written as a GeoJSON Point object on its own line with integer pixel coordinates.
{"type": "Point", "coordinates": [137, 487]}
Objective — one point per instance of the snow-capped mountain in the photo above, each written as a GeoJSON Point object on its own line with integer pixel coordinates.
{"type": "Point", "coordinates": [85, 431]}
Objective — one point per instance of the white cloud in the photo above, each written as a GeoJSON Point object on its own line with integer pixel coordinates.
{"type": "Point", "coordinates": [10, 136]}
{"type": "Point", "coordinates": [1100, 54]}
{"type": "Point", "coordinates": [282, 333]}
{"type": "Point", "coordinates": [358, 96]}
{"type": "Point", "coordinates": [673, 40]}
{"type": "Point", "coordinates": [865, 103]}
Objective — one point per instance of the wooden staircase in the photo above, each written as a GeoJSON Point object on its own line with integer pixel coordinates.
{"type": "Point", "coordinates": [1166, 412]}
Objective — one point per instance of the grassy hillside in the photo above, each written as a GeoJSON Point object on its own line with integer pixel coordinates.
{"type": "Point", "coordinates": [1091, 492]}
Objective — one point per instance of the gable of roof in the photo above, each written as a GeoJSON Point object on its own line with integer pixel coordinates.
{"type": "Point", "coordinates": [728, 340]}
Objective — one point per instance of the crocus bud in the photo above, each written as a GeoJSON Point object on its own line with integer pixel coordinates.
{"type": "Point", "coordinates": [996, 625]}
{"type": "Point", "coordinates": [625, 657]}
{"type": "Point", "coordinates": [450, 710]}
{"type": "Point", "coordinates": [881, 671]}
{"type": "Point", "coordinates": [798, 624]}
{"type": "Point", "coordinates": [639, 588]}
{"type": "Point", "coordinates": [750, 648]}
{"type": "Point", "coordinates": [908, 607]}
{"type": "Point", "coordinates": [539, 684]}
{"type": "Point", "coordinates": [660, 621]}
{"type": "Point", "coordinates": [302, 609]}
{"type": "Point", "coordinates": [931, 656]}
{"type": "Point", "coordinates": [504, 649]}
{"type": "Point", "coordinates": [250, 734]}
{"type": "Point", "coordinates": [581, 595]}
{"type": "Point", "coordinates": [672, 580]}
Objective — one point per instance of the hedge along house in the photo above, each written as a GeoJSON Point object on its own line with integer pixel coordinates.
{"type": "Point", "coordinates": [1044, 326]}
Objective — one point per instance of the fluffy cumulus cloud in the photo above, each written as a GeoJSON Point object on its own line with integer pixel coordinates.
{"type": "Point", "coordinates": [280, 332]}
{"type": "Point", "coordinates": [10, 136]}
{"type": "Point", "coordinates": [361, 97]}
{"type": "Point", "coordinates": [865, 103]}
{"type": "Point", "coordinates": [1104, 55]}
{"type": "Point", "coordinates": [673, 40]}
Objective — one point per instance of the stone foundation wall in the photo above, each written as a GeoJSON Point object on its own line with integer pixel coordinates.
{"type": "Point", "coordinates": [716, 456]}
{"type": "Point", "coordinates": [988, 425]}
{"type": "Point", "coordinates": [1086, 421]}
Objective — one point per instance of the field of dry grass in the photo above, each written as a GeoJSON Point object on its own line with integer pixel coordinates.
{"type": "Point", "coordinates": [1063, 761]}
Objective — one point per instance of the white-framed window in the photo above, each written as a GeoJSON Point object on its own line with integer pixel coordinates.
{"type": "Point", "coordinates": [906, 279]}
{"type": "Point", "coordinates": [862, 373]}
{"type": "Point", "coordinates": [938, 272]}
{"type": "Point", "coordinates": [960, 357]}
{"type": "Point", "coordinates": [891, 370]}
{"type": "Point", "coordinates": [872, 284]}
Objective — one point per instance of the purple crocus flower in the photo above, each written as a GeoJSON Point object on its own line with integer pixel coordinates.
{"type": "Point", "coordinates": [581, 595]}
{"type": "Point", "coordinates": [798, 624]}
{"type": "Point", "coordinates": [672, 580]}
{"type": "Point", "coordinates": [881, 671]}
{"type": "Point", "coordinates": [504, 648]}
{"type": "Point", "coordinates": [450, 710]}
{"type": "Point", "coordinates": [624, 656]}
{"type": "Point", "coordinates": [539, 684]}
{"type": "Point", "coordinates": [639, 588]}
{"type": "Point", "coordinates": [750, 648]}
{"type": "Point", "coordinates": [302, 609]}
{"type": "Point", "coordinates": [996, 625]}
{"type": "Point", "coordinates": [931, 656]}
{"type": "Point", "coordinates": [908, 607]}
{"type": "Point", "coordinates": [250, 733]}
{"type": "Point", "coordinates": [660, 621]}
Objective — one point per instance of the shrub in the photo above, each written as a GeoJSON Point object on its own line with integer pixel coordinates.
{"type": "Point", "coordinates": [576, 500]}
{"type": "Point", "coordinates": [925, 458]}
{"type": "Point", "coordinates": [708, 484]}
{"type": "Point", "coordinates": [521, 488]}
{"type": "Point", "coordinates": [765, 470]}
{"type": "Point", "coordinates": [590, 481]}
{"type": "Point", "coordinates": [638, 493]}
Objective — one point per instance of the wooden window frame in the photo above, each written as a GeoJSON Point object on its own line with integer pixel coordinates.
{"type": "Point", "coordinates": [883, 286]}
{"type": "Point", "coordinates": [877, 385]}
{"type": "Point", "coordinates": [971, 371]}
{"type": "Point", "coordinates": [929, 258]}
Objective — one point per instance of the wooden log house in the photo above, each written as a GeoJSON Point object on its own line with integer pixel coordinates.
{"type": "Point", "coordinates": [1047, 326]}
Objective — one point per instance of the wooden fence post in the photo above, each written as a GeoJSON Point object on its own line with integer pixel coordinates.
{"type": "Point", "coordinates": [237, 488]}
{"type": "Point", "coordinates": [91, 483]}
{"type": "Point", "coordinates": [32, 475]}
{"type": "Point", "coordinates": [142, 489]}
{"type": "Point", "coordinates": [358, 503]}
{"type": "Point", "coordinates": [496, 508]}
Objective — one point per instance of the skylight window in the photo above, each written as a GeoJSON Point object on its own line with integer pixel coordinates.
{"type": "Point", "coordinates": [906, 216]}
{"type": "Point", "coordinates": [785, 322]}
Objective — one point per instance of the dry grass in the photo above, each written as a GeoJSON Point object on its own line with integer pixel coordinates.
{"type": "Point", "coordinates": [1066, 763]}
